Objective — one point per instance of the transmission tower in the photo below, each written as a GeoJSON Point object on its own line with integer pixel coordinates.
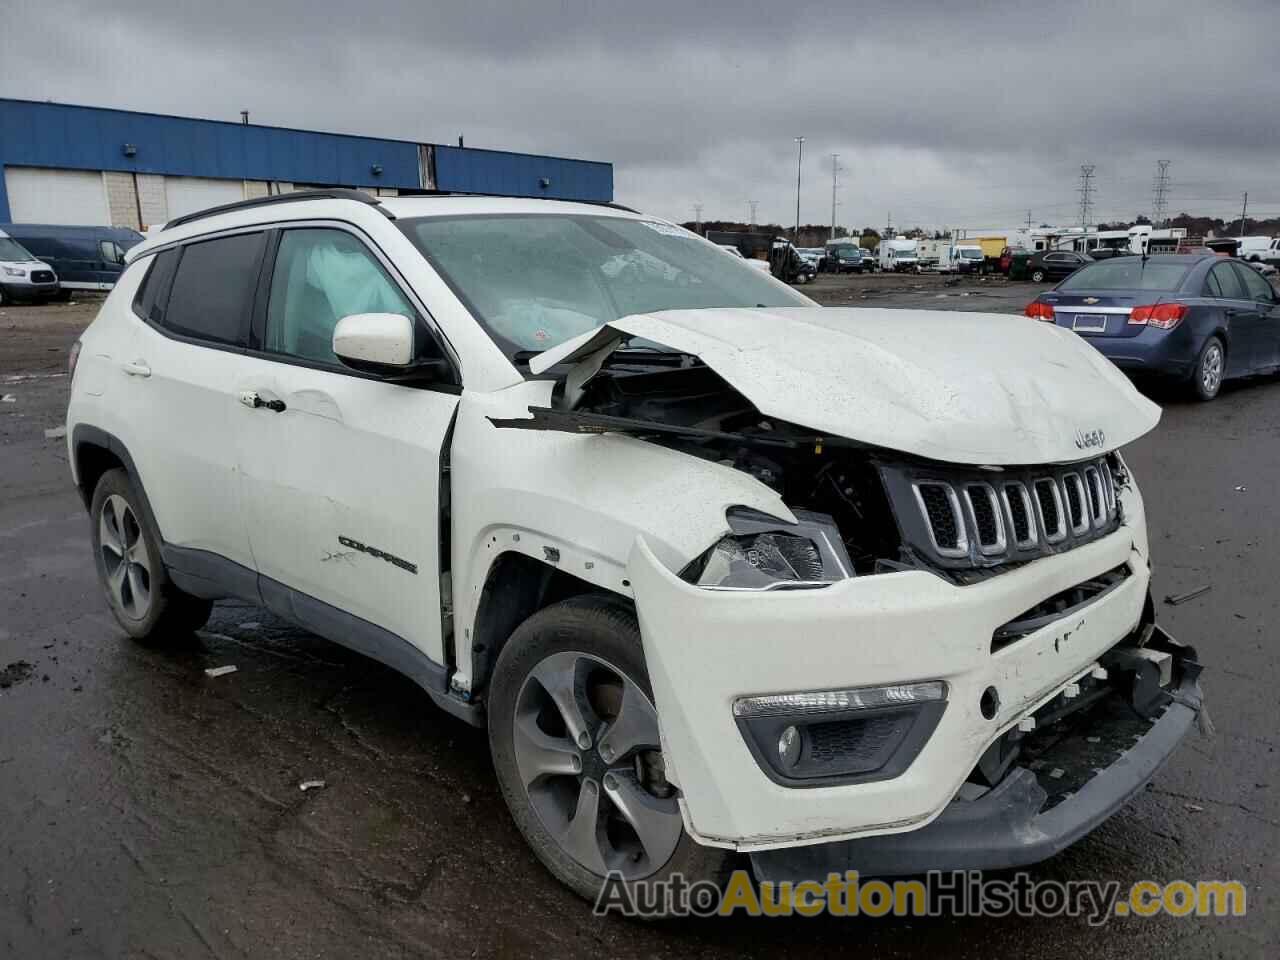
{"type": "Point", "coordinates": [1160, 202]}
{"type": "Point", "coordinates": [1086, 194]}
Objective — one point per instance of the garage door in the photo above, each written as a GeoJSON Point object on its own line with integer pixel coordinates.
{"type": "Point", "coordinates": [188, 194]}
{"type": "Point", "coordinates": [38, 195]}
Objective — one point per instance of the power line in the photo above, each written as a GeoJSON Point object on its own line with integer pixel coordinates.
{"type": "Point", "coordinates": [1086, 193]}
{"type": "Point", "coordinates": [1160, 203]}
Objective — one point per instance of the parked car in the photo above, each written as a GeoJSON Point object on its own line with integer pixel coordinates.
{"type": "Point", "coordinates": [1197, 319]}
{"type": "Point", "coordinates": [811, 255]}
{"type": "Point", "coordinates": [22, 276]}
{"type": "Point", "coordinates": [734, 251]}
{"type": "Point", "coordinates": [575, 472]}
{"type": "Point", "coordinates": [85, 258]}
{"type": "Point", "coordinates": [1055, 264]}
{"type": "Point", "coordinates": [842, 256]}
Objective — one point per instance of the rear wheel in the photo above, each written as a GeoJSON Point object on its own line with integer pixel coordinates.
{"type": "Point", "coordinates": [1206, 381]}
{"type": "Point", "coordinates": [1037, 276]}
{"type": "Point", "coordinates": [574, 735]}
{"type": "Point", "coordinates": [126, 548]}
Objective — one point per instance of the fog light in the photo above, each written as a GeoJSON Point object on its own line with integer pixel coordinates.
{"type": "Point", "coordinates": [825, 737]}
{"type": "Point", "coordinates": [789, 747]}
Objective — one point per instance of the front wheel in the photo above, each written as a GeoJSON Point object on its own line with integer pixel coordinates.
{"type": "Point", "coordinates": [574, 735]}
{"type": "Point", "coordinates": [1037, 276]}
{"type": "Point", "coordinates": [1207, 379]}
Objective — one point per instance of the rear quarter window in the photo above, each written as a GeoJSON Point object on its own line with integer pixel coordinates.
{"type": "Point", "coordinates": [212, 293]}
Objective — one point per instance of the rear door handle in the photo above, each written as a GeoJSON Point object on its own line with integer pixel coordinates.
{"type": "Point", "coordinates": [251, 399]}
{"type": "Point", "coordinates": [136, 368]}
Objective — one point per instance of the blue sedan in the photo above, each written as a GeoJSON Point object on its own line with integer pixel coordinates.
{"type": "Point", "coordinates": [1200, 319]}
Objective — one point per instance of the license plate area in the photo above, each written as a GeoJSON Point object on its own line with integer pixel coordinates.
{"type": "Point", "coordinates": [1090, 322]}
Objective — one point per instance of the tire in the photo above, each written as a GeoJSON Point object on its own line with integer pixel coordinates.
{"type": "Point", "coordinates": [1037, 276]}
{"type": "Point", "coordinates": [588, 650]}
{"type": "Point", "coordinates": [126, 550]}
{"type": "Point", "coordinates": [4, 298]}
{"type": "Point", "coordinates": [1211, 363]}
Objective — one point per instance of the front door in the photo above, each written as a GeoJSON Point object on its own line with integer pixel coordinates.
{"type": "Point", "coordinates": [1266, 348]}
{"type": "Point", "coordinates": [340, 471]}
{"type": "Point", "coordinates": [1244, 322]}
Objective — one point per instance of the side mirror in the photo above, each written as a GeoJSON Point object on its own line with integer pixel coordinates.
{"type": "Point", "coordinates": [374, 342]}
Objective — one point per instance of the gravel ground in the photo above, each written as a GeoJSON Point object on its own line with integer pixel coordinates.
{"type": "Point", "coordinates": [149, 811]}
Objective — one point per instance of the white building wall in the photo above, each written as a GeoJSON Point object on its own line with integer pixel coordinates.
{"type": "Point", "coordinates": [68, 197]}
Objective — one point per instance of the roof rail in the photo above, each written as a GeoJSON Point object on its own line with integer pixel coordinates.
{"type": "Point", "coordinates": [335, 194]}
{"type": "Point", "coordinates": [515, 196]}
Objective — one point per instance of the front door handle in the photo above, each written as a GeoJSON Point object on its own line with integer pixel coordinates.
{"type": "Point", "coordinates": [251, 399]}
{"type": "Point", "coordinates": [136, 368]}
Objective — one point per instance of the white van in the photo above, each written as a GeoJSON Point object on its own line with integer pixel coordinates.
{"type": "Point", "coordinates": [22, 276]}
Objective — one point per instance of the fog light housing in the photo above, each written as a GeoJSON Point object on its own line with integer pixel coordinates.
{"type": "Point", "coordinates": [833, 737]}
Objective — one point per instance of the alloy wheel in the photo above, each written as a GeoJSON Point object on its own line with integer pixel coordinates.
{"type": "Point", "coordinates": [587, 750]}
{"type": "Point", "coordinates": [125, 559]}
{"type": "Point", "coordinates": [1211, 369]}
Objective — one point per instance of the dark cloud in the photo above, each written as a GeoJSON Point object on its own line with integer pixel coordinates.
{"type": "Point", "coordinates": [942, 113]}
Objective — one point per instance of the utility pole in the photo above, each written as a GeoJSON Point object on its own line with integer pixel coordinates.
{"type": "Point", "coordinates": [1243, 210]}
{"type": "Point", "coordinates": [1028, 221]}
{"type": "Point", "coordinates": [799, 161]}
{"type": "Point", "coordinates": [1160, 204]}
{"type": "Point", "coordinates": [753, 204]}
{"type": "Point", "coordinates": [835, 173]}
{"type": "Point", "coordinates": [697, 218]}
{"type": "Point", "coordinates": [1086, 194]}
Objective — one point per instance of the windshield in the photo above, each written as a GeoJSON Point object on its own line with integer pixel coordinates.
{"type": "Point", "coordinates": [971, 253]}
{"type": "Point", "coordinates": [900, 254]}
{"type": "Point", "coordinates": [13, 252]}
{"type": "Point", "coordinates": [847, 251]}
{"type": "Point", "coordinates": [536, 280]}
{"type": "Point", "coordinates": [1127, 273]}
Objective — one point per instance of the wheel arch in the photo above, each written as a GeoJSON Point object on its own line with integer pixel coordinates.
{"type": "Point", "coordinates": [94, 451]}
{"type": "Point", "coordinates": [516, 587]}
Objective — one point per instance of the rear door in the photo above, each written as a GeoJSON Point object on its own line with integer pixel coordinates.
{"type": "Point", "coordinates": [1243, 319]}
{"type": "Point", "coordinates": [1266, 350]}
{"type": "Point", "coordinates": [180, 374]}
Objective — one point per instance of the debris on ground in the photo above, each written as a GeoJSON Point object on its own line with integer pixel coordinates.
{"type": "Point", "coordinates": [250, 625]}
{"type": "Point", "coordinates": [1174, 599]}
{"type": "Point", "coordinates": [306, 785]}
{"type": "Point", "coordinates": [220, 671]}
{"type": "Point", "coordinates": [1194, 807]}
{"type": "Point", "coordinates": [1241, 489]}
{"type": "Point", "coordinates": [14, 674]}
{"type": "Point", "coordinates": [55, 433]}
{"type": "Point", "coordinates": [8, 398]}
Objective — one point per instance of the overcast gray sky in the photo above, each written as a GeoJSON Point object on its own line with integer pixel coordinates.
{"type": "Point", "coordinates": [959, 112]}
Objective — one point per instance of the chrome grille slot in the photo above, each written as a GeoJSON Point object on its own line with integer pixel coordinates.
{"type": "Point", "coordinates": [1097, 496]}
{"type": "Point", "coordinates": [1077, 511]}
{"type": "Point", "coordinates": [1049, 510]}
{"type": "Point", "coordinates": [941, 508]}
{"type": "Point", "coordinates": [1017, 501]}
{"type": "Point", "coordinates": [988, 518]}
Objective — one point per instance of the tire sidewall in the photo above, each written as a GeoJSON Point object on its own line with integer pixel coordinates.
{"type": "Point", "coordinates": [602, 628]}
{"type": "Point", "coordinates": [117, 483]}
{"type": "Point", "coordinates": [1197, 376]}
{"type": "Point", "coordinates": [1037, 276]}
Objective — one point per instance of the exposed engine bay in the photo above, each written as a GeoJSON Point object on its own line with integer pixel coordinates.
{"type": "Point", "coordinates": [879, 509]}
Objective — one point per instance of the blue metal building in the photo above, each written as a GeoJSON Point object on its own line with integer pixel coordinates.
{"type": "Point", "coordinates": [89, 165]}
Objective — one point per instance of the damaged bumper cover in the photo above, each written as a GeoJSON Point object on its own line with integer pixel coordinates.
{"type": "Point", "coordinates": [708, 651]}
{"type": "Point", "coordinates": [1015, 823]}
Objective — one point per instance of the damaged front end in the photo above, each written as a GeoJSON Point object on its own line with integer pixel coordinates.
{"type": "Point", "coordinates": [943, 655]}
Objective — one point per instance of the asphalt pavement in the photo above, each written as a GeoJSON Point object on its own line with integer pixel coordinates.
{"type": "Point", "coordinates": [148, 810]}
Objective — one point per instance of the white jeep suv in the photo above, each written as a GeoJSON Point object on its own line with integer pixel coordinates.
{"type": "Point", "coordinates": [720, 570]}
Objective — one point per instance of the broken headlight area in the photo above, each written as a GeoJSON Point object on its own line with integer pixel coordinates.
{"type": "Point", "coordinates": [833, 737]}
{"type": "Point", "coordinates": [765, 553]}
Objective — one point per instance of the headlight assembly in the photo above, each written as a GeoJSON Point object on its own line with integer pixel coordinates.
{"type": "Point", "coordinates": [765, 553]}
{"type": "Point", "coordinates": [14, 272]}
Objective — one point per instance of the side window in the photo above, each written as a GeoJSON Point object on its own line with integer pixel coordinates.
{"type": "Point", "coordinates": [110, 252]}
{"type": "Point", "coordinates": [1228, 282]}
{"type": "Point", "coordinates": [321, 276]}
{"type": "Point", "coordinates": [212, 293]}
{"type": "Point", "coordinates": [1255, 285]}
{"type": "Point", "coordinates": [153, 292]}
{"type": "Point", "coordinates": [1212, 288]}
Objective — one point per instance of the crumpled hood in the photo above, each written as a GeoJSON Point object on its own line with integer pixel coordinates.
{"type": "Point", "coordinates": [974, 388]}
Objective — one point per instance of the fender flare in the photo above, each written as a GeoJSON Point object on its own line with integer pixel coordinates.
{"type": "Point", "coordinates": [83, 435]}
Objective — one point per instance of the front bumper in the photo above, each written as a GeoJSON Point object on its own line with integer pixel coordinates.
{"type": "Point", "coordinates": [705, 648]}
{"type": "Point", "coordinates": [1010, 826]}
{"type": "Point", "coordinates": [25, 290]}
